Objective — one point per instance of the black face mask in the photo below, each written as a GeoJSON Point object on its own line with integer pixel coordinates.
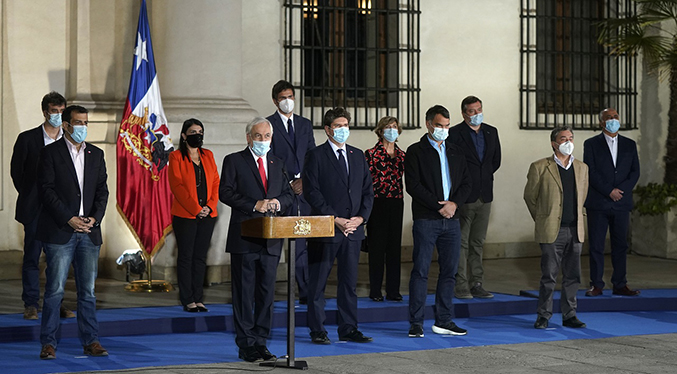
{"type": "Point", "coordinates": [194, 140]}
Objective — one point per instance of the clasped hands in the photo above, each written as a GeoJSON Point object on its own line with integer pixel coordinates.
{"type": "Point", "coordinates": [616, 194]}
{"type": "Point", "coordinates": [348, 226]}
{"type": "Point", "coordinates": [204, 212]}
{"type": "Point", "coordinates": [262, 205]}
{"type": "Point", "coordinates": [82, 224]}
{"type": "Point", "coordinates": [448, 208]}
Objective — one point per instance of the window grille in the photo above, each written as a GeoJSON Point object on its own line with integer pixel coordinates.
{"type": "Point", "coordinates": [567, 77]}
{"type": "Point", "coordinates": [359, 54]}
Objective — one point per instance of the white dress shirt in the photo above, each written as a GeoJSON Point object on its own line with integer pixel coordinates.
{"type": "Point", "coordinates": [612, 142]}
{"type": "Point", "coordinates": [335, 148]}
{"type": "Point", "coordinates": [48, 139]}
{"type": "Point", "coordinates": [78, 158]}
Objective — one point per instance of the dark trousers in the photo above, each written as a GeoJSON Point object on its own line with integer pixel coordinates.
{"type": "Point", "coordinates": [253, 287]}
{"type": "Point", "coordinates": [384, 231]}
{"type": "Point", "coordinates": [445, 234]}
{"type": "Point", "coordinates": [30, 270]}
{"type": "Point", "coordinates": [564, 253]}
{"type": "Point", "coordinates": [617, 223]}
{"type": "Point", "coordinates": [474, 218]}
{"type": "Point", "coordinates": [192, 240]}
{"type": "Point", "coordinates": [300, 206]}
{"type": "Point", "coordinates": [321, 258]}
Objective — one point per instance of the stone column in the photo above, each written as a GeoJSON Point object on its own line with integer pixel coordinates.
{"type": "Point", "coordinates": [198, 55]}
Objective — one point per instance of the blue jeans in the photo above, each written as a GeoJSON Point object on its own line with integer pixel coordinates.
{"type": "Point", "coordinates": [85, 258]}
{"type": "Point", "coordinates": [446, 235]}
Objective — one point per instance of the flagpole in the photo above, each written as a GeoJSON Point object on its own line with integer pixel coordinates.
{"type": "Point", "coordinates": [149, 285]}
{"type": "Point", "coordinates": [143, 147]}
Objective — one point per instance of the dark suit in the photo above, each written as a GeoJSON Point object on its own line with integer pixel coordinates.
{"type": "Point", "coordinates": [481, 172]}
{"type": "Point", "coordinates": [61, 198]}
{"type": "Point", "coordinates": [329, 193]}
{"type": "Point", "coordinates": [253, 261]}
{"type": "Point", "coordinates": [474, 215]}
{"type": "Point", "coordinates": [60, 192]}
{"type": "Point", "coordinates": [605, 213]}
{"type": "Point", "coordinates": [24, 172]}
{"type": "Point", "coordinates": [423, 181]}
{"type": "Point", "coordinates": [293, 153]}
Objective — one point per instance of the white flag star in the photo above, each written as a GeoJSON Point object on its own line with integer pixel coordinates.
{"type": "Point", "coordinates": [140, 51]}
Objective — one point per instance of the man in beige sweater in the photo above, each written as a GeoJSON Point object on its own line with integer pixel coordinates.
{"type": "Point", "coordinates": [555, 193]}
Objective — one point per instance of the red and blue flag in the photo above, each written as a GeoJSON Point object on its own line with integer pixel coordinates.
{"type": "Point", "coordinates": [143, 147]}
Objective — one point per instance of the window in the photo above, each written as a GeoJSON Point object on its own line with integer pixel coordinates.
{"type": "Point", "coordinates": [567, 77]}
{"type": "Point", "coordinates": [359, 54]}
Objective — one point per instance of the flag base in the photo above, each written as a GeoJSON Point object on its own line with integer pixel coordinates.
{"type": "Point", "coordinates": [149, 286]}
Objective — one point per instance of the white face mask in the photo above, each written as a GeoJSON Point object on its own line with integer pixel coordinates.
{"type": "Point", "coordinates": [566, 148]}
{"type": "Point", "coordinates": [440, 134]}
{"type": "Point", "coordinates": [286, 106]}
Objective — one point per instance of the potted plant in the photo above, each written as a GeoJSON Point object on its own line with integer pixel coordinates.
{"type": "Point", "coordinates": [654, 220]}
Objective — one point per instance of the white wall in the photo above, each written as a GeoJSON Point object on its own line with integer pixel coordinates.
{"type": "Point", "coordinates": [468, 48]}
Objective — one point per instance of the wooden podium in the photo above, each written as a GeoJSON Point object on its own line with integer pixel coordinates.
{"type": "Point", "coordinates": [289, 227]}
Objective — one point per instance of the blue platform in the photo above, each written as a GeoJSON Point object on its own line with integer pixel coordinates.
{"type": "Point", "coordinates": [168, 320]}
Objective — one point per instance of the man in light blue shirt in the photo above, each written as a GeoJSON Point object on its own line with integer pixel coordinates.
{"type": "Point", "coordinates": [437, 178]}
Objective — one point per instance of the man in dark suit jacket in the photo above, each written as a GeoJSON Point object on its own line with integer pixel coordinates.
{"type": "Point", "coordinates": [614, 170]}
{"type": "Point", "coordinates": [252, 182]}
{"type": "Point", "coordinates": [479, 141]}
{"type": "Point", "coordinates": [24, 172]}
{"type": "Point", "coordinates": [337, 182]}
{"type": "Point", "coordinates": [72, 184]}
{"type": "Point", "coordinates": [294, 138]}
{"type": "Point", "coordinates": [437, 178]}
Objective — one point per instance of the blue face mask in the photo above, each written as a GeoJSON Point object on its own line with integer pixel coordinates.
{"type": "Point", "coordinates": [613, 125]}
{"type": "Point", "coordinates": [55, 119]}
{"type": "Point", "coordinates": [440, 134]}
{"type": "Point", "coordinates": [260, 148]}
{"type": "Point", "coordinates": [79, 133]}
{"type": "Point", "coordinates": [391, 134]}
{"type": "Point", "coordinates": [341, 134]}
{"type": "Point", "coordinates": [477, 119]}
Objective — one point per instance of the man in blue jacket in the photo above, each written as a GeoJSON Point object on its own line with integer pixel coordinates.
{"type": "Point", "coordinates": [614, 170]}
{"type": "Point", "coordinates": [293, 138]}
{"type": "Point", "coordinates": [337, 182]}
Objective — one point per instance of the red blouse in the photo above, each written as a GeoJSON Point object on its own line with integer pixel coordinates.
{"type": "Point", "coordinates": [386, 171]}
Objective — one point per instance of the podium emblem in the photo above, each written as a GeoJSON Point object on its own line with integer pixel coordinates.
{"type": "Point", "coordinates": [302, 227]}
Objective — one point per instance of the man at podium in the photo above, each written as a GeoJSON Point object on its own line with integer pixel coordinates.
{"type": "Point", "coordinates": [253, 182]}
{"type": "Point", "coordinates": [337, 182]}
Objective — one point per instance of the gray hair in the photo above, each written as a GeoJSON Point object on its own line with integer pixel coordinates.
{"type": "Point", "coordinates": [555, 132]}
{"type": "Point", "coordinates": [256, 121]}
{"type": "Point", "coordinates": [601, 113]}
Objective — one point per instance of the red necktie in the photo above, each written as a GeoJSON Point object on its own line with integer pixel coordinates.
{"type": "Point", "coordinates": [262, 172]}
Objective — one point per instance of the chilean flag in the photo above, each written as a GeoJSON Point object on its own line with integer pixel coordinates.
{"type": "Point", "coordinates": [143, 146]}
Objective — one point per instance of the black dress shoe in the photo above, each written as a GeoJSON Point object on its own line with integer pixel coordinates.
{"type": "Point", "coordinates": [202, 308]}
{"type": "Point", "coordinates": [265, 353]}
{"type": "Point", "coordinates": [378, 299]}
{"type": "Point", "coordinates": [250, 354]}
{"type": "Point", "coordinates": [573, 322]}
{"type": "Point", "coordinates": [190, 310]}
{"type": "Point", "coordinates": [355, 336]}
{"type": "Point", "coordinates": [394, 298]}
{"type": "Point", "coordinates": [319, 337]}
{"type": "Point", "coordinates": [594, 291]}
{"type": "Point", "coordinates": [541, 323]}
{"type": "Point", "coordinates": [625, 291]}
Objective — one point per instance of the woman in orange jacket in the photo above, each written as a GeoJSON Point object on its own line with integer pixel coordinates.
{"type": "Point", "coordinates": [194, 181]}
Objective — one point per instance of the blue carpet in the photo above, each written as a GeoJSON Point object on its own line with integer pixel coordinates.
{"type": "Point", "coordinates": [217, 347]}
